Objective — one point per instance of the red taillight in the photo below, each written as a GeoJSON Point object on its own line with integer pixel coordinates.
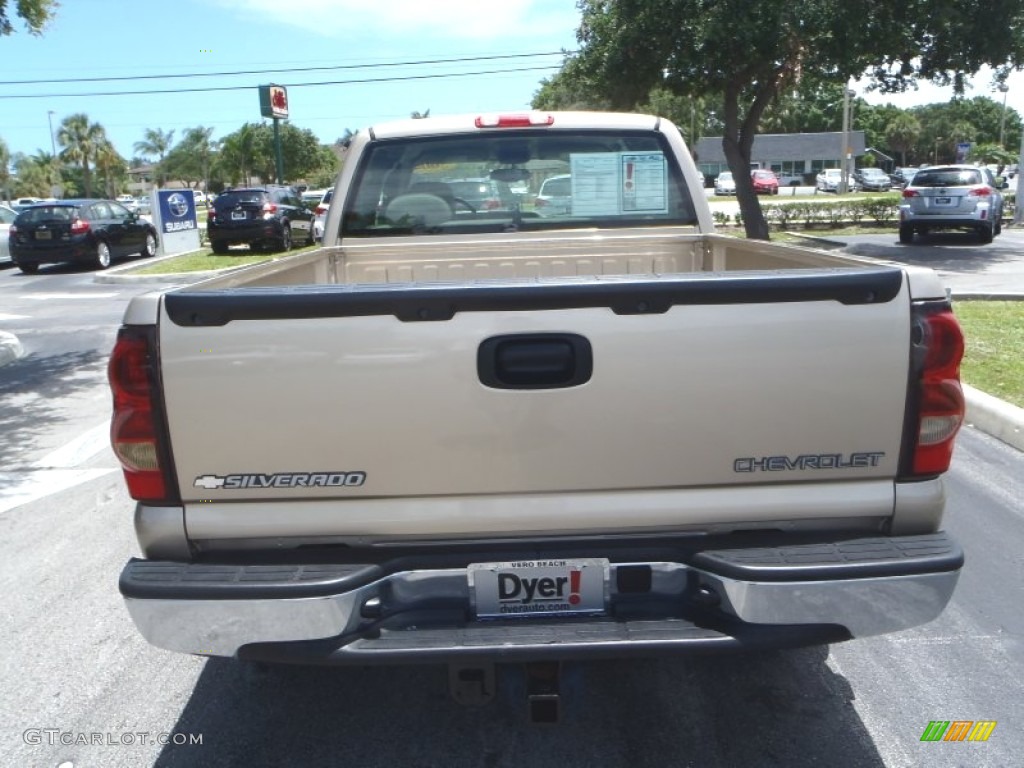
{"type": "Point", "coordinates": [320, 210]}
{"type": "Point", "coordinates": [270, 207]}
{"type": "Point", "coordinates": [941, 406]}
{"type": "Point", "coordinates": [135, 429]}
{"type": "Point", "coordinates": [540, 202]}
{"type": "Point", "coordinates": [525, 120]}
{"type": "Point", "coordinates": [492, 204]}
{"type": "Point", "coordinates": [12, 230]}
{"type": "Point", "coordinates": [211, 215]}
{"type": "Point", "coordinates": [911, 193]}
{"type": "Point", "coordinates": [980, 192]}
{"type": "Point", "coordinates": [78, 226]}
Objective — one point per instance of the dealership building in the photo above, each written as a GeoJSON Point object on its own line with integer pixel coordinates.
{"type": "Point", "coordinates": [795, 157]}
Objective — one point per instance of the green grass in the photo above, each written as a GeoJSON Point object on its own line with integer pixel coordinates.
{"type": "Point", "coordinates": [994, 360]}
{"type": "Point", "coordinates": [205, 259]}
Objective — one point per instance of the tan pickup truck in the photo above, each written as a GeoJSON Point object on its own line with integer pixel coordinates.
{"type": "Point", "coordinates": [479, 430]}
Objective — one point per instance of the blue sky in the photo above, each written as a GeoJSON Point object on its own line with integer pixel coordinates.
{"type": "Point", "coordinates": [119, 38]}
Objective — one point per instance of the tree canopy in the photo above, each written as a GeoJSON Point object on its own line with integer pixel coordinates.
{"type": "Point", "coordinates": [750, 55]}
{"type": "Point", "coordinates": [34, 13]}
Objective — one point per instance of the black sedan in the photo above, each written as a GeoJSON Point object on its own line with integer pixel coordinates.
{"type": "Point", "coordinates": [85, 231]}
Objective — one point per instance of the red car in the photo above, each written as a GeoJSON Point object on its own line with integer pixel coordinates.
{"type": "Point", "coordinates": [765, 182]}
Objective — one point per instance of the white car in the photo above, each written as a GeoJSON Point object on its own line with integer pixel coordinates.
{"type": "Point", "coordinates": [6, 219]}
{"type": "Point", "coordinates": [320, 214]}
{"type": "Point", "coordinates": [199, 196]}
{"type": "Point", "coordinates": [830, 179]}
{"type": "Point", "coordinates": [725, 184]}
{"type": "Point", "coordinates": [128, 202]}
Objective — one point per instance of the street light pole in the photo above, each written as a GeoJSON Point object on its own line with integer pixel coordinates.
{"type": "Point", "coordinates": [1002, 120]}
{"type": "Point", "coordinates": [1018, 210]}
{"type": "Point", "coordinates": [49, 122]}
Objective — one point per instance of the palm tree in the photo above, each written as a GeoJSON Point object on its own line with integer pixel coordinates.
{"type": "Point", "coordinates": [156, 143]}
{"type": "Point", "coordinates": [50, 164]}
{"type": "Point", "coordinates": [238, 153]}
{"type": "Point", "coordinates": [5, 164]}
{"type": "Point", "coordinates": [198, 141]}
{"type": "Point", "coordinates": [81, 141]}
{"type": "Point", "coordinates": [111, 165]}
{"type": "Point", "coordinates": [902, 134]}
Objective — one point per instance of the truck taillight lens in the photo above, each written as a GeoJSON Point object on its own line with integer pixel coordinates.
{"type": "Point", "coordinates": [137, 434]}
{"type": "Point", "coordinates": [939, 347]}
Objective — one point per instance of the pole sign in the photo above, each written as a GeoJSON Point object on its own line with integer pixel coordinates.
{"type": "Point", "coordinates": [174, 211]}
{"type": "Point", "coordinates": [273, 101]}
{"type": "Point", "coordinates": [963, 149]}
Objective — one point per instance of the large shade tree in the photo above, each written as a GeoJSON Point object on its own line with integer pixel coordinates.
{"type": "Point", "coordinates": [748, 54]}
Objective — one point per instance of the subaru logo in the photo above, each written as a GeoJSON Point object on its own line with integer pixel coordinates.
{"type": "Point", "coordinates": [177, 205]}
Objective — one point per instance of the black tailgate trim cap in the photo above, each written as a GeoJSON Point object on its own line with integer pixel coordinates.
{"type": "Point", "coordinates": [421, 302]}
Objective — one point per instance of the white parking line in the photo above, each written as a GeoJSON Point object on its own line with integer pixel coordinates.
{"type": "Point", "coordinates": [17, 488]}
{"type": "Point", "coordinates": [79, 450]}
{"type": "Point", "coordinates": [63, 296]}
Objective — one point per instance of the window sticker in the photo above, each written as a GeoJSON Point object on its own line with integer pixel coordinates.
{"type": "Point", "coordinates": [644, 183]}
{"type": "Point", "coordinates": [614, 183]}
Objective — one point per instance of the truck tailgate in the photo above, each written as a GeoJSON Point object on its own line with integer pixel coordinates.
{"type": "Point", "coordinates": [379, 391]}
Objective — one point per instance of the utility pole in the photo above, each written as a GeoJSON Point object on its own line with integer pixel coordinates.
{"type": "Point", "coordinates": [844, 163]}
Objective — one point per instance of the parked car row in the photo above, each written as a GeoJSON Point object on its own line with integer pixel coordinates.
{"type": "Point", "coordinates": [765, 182]}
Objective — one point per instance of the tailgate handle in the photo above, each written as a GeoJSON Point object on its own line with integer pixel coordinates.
{"type": "Point", "coordinates": [535, 361]}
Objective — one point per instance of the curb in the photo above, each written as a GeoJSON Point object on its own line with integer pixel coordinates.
{"type": "Point", "coordinates": [1003, 421]}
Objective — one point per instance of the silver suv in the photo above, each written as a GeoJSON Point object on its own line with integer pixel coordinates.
{"type": "Point", "coordinates": [951, 197]}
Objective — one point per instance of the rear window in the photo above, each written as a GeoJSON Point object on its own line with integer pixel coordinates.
{"type": "Point", "coordinates": [240, 196]}
{"type": "Point", "coordinates": [409, 186]}
{"type": "Point", "coordinates": [40, 213]}
{"type": "Point", "coordinates": [954, 177]}
{"type": "Point", "coordinates": [472, 189]}
{"type": "Point", "coordinates": [557, 188]}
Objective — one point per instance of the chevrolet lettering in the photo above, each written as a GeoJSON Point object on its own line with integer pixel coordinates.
{"type": "Point", "coordinates": [809, 461]}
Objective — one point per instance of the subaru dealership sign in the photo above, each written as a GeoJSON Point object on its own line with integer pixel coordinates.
{"type": "Point", "coordinates": [174, 211]}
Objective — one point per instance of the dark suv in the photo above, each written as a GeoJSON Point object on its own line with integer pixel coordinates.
{"type": "Point", "coordinates": [268, 216]}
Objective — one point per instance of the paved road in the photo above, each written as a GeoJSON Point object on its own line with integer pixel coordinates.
{"type": "Point", "coordinates": [72, 660]}
{"type": "Point", "coordinates": [967, 266]}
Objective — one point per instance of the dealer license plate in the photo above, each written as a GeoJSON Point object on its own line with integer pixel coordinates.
{"type": "Point", "coordinates": [943, 201]}
{"type": "Point", "coordinates": [554, 587]}
{"type": "Point", "coordinates": [43, 234]}
{"type": "Point", "coordinates": [235, 215]}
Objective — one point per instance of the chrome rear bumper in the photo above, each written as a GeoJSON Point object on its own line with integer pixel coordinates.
{"type": "Point", "coordinates": [715, 600]}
